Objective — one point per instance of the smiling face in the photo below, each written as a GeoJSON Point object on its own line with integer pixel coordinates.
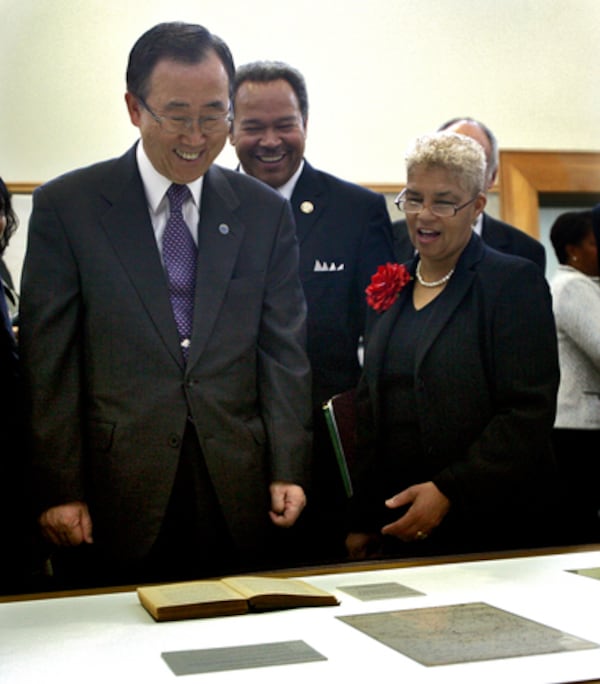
{"type": "Point", "coordinates": [268, 132]}
{"type": "Point", "coordinates": [440, 240]}
{"type": "Point", "coordinates": [186, 90]}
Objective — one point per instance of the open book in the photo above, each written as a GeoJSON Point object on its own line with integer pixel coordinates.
{"type": "Point", "coordinates": [229, 596]}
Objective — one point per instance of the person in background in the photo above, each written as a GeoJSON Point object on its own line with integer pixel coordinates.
{"type": "Point", "coordinates": [497, 234]}
{"type": "Point", "coordinates": [14, 508]}
{"type": "Point", "coordinates": [8, 226]}
{"type": "Point", "coordinates": [575, 291]}
{"type": "Point", "coordinates": [163, 330]}
{"type": "Point", "coordinates": [457, 399]}
{"type": "Point", "coordinates": [344, 233]}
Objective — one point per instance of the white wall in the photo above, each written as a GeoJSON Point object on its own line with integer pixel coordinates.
{"type": "Point", "coordinates": [379, 73]}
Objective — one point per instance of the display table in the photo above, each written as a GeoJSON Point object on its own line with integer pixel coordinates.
{"type": "Point", "coordinates": [109, 637]}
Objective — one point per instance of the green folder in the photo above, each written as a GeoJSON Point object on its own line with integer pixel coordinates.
{"type": "Point", "coordinates": [340, 416]}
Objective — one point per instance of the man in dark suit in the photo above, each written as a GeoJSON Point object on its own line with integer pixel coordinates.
{"type": "Point", "coordinates": [163, 325]}
{"type": "Point", "coordinates": [497, 234]}
{"type": "Point", "coordinates": [343, 232]}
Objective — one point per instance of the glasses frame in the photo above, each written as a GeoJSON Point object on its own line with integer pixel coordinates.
{"type": "Point", "coordinates": [400, 200]}
{"type": "Point", "coordinates": [185, 124]}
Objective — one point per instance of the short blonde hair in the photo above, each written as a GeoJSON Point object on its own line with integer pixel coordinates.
{"type": "Point", "coordinates": [461, 156]}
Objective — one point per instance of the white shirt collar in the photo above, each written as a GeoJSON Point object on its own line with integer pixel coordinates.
{"type": "Point", "coordinates": [287, 188]}
{"type": "Point", "coordinates": [478, 225]}
{"type": "Point", "coordinates": [156, 185]}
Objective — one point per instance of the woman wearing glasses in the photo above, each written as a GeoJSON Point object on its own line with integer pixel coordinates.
{"type": "Point", "coordinates": [457, 399]}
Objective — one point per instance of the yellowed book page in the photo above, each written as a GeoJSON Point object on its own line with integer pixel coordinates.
{"type": "Point", "coordinates": [186, 593]}
{"type": "Point", "coordinates": [257, 586]}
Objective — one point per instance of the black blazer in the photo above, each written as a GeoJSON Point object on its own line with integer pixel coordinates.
{"type": "Point", "coordinates": [497, 234]}
{"type": "Point", "coordinates": [11, 433]}
{"type": "Point", "coordinates": [485, 379]}
{"type": "Point", "coordinates": [111, 396]}
{"type": "Point", "coordinates": [344, 235]}
{"type": "Point", "coordinates": [14, 486]}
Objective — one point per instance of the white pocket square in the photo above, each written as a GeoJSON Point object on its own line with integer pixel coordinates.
{"type": "Point", "coordinates": [324, 266]}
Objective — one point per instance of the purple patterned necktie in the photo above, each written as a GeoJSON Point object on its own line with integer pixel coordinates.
{"type": "Point", "coordinates": [179, 257]}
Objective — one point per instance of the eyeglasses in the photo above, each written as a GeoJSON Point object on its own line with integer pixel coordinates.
{"type": "Point", "coordinates": [180, 125]}
{"type": "Point", "coordinates": [440, 209]}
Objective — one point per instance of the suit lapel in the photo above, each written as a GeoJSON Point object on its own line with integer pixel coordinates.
{"type": "Point", "coordinates": [129, 229]}
{"type": "Point", "coordinates": [308, 200]}
{"type": "Point", "coordinates": [220, 235]}
{"type": "Point", "coordinates": [457, 288]}
{"type": "Point", "coordinates": [378, 336]}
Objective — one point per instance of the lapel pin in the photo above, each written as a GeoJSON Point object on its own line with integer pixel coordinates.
{"type": "Point", "coordinates": [307, 207]}
{"type": "Point", "coordinates": [223, 228]}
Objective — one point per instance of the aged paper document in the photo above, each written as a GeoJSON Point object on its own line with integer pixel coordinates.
{"type": "Point", "coordinates": [463, 633]}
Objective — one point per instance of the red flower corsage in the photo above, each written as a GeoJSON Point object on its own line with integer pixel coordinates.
{"type": "Point", "coordinates": [385, 285]}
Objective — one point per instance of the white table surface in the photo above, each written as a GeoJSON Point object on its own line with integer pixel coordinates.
{"type": "Point", "coordinates": [111, 638]}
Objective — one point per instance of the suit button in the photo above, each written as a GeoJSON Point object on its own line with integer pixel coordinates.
{"type": "Point", "coordinates": [174, 441]}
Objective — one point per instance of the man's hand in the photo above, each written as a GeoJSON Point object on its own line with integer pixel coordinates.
{"type": "Point", "coordinates": [67, 525]}
{"type": "Point", "coordinates": [287, 502]}
{"type": "Point", "coordinates": [427, 508]}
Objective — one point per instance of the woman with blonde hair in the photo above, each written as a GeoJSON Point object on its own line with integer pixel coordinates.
{"type": "Point", "coordinates": [457, 398]}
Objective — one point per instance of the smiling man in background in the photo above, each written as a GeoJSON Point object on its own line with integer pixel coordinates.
{"type": "Point", "coordinates": [344, 235]}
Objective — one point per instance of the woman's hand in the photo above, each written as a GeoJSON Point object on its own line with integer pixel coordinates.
{"type": "Point", "coordinates": [427, 508]}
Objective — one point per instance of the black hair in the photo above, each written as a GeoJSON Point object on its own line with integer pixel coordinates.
{"type": "Point", "coordinates": [569, 228]}
{"type": "Point", "coordinates": [266, 72]}
{"type": "Point", "coordinates": [188, 43]}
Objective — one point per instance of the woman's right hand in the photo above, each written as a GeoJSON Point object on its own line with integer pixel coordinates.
{"type": "Point", "coordinates": [427, 507]}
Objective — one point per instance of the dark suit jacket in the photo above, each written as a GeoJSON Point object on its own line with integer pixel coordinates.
{"type": "Point", "coordinates": [485, 383]}
{"type": "Point", "coordinates": [344, 235]}
{"type": "Point", "coordinates": [11, 434]}
{"type": "Point", "coordinates": [110, 394]}
{"type": "Point", "coordinates": [497, 234]}
{"type": "Point", "coordinates": [14, 505]}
